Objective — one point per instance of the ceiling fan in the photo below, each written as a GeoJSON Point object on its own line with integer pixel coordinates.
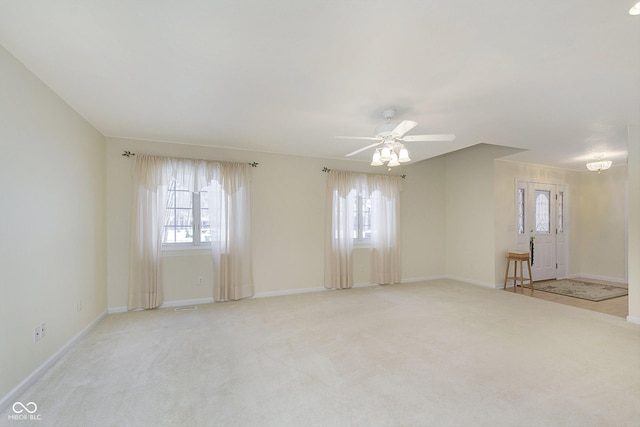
{"type": "Point", "coordinates": [392, 138]}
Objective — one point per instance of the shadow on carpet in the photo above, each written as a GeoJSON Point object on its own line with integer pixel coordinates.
{"type": "Point", "coordinates": [580, 289]}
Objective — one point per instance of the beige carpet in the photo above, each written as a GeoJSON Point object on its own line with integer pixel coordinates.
{"type": "Point", "coordinates": [438, 353]}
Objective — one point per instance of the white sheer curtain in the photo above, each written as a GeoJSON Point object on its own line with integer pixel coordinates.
{"type": "Point", "coordinates": [385, 228]}
{"type": "Point", "coordinates": [232, 278]}
{"type": "Point", "coordinates": [230, 218]}
{"type": "Point", "coordinates": [384, 191]}
{"type": "Point", "coordinates": [147, 221]}
{"type": "Point", "coordinates": [342, 189]}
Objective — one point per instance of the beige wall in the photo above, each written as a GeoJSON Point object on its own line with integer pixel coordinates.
{"type": "Point", "coordinates": [53, 241]}
{"type": "Point", "coordinates": [423, 213]}
{"type": "Point", "coordinates": [601, 227]}
{"type": "Point", "coordinates": [470, 213]}
{"type": "Point", "coordinates": [288, 203]}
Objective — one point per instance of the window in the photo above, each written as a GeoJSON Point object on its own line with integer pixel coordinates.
{"type": "Point", "coordinates": [543, 209]}
{"type": "Point", "coordinates": [187, 219]}
{"type": "Point", "coordinates": [362, 219]}
{"type": "Point", "coordinates": [521, 211]}
{"type": "Point", "coordinates": [362, 210]}
{"type": "Point", "coordinates": [561, 212]}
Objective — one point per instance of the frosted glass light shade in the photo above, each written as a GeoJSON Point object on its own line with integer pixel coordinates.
{"type": "Point", "coordinates": [385, 154]}
{"type": "Point", "coordinates": [376, 159]}
{"type": "Point", "coordinates": [394, 160]}
{"type": "Point", "coordinates": [403, 157]}
{"type": "Point", "coordinates": [599, 166]}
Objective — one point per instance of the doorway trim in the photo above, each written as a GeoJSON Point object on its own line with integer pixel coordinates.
{"type": "Point", "coordinates": [522, 229]}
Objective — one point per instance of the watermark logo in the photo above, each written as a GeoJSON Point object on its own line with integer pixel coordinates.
{"type": "Point", "coordinates": [24, 412]}
{"type": "Point", "coordinates": [20, 407]}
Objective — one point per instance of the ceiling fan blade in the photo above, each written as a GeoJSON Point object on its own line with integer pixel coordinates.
{"type": "Point", "coordinates": [404, 127]}
{"type": "Point", "coordinates": [363, 149]}
{"type": "Point", "coordinates": [369, 138]}
{"type": "Point", "coordinates": [442, 137]}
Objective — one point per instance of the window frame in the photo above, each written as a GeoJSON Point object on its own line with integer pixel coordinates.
{"type": "Point", "coordinates": [196, 226]}
{"type": "Point", "coordinates": [560, 203]}
{"type": "Point", "coordinates": [521, 218]}
{"type": "Point", "coordinates": [360, 225]}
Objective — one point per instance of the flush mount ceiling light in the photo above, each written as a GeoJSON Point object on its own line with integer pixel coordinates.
{"type": "Point", "coordinates": [635, 10]}
{"type": "Point", "coordinates": [599, 164]}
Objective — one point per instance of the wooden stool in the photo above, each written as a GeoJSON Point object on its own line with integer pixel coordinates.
{"type": "Point", "coordinates": [518, 256]}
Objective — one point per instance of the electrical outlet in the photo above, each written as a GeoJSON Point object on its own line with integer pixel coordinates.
{"type": "Point", "coordinates": [37, 334]}
{"type": "Point", "coordinates": [200, 280]}
{"type": "Point", "coordinates": [43, 329]}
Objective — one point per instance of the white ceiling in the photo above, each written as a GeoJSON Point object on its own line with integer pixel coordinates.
{"type": "Point", "coordinates": [560, 79]}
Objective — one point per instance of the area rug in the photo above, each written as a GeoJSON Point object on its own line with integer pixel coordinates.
{"type": "Point", "coordinates": [580, 289]}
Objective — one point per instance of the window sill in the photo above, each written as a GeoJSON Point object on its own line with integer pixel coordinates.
{"type": "Point", "coordinates": [362, 245]}
{"type": "Point", "coordinates": [185, 250]}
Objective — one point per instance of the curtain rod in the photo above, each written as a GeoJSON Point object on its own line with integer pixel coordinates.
{"type": "Point", "coordinates": [326, 169]}
{"type": "Point", "coordinates": [129, 154]}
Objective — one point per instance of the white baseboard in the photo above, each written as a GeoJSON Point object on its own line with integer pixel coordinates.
{"type": "Point", "coordinates": [322, 289]}
{"type": "Point", "coordinates": [422, 279]}
{"type": "Point", "coordinates": [167, 304]}
{"type": "Point", "coordinates": [360, 285]}
{"type": "Point", "coordinates": [633, 319]}
{"type": "Point", "coordinates": [307, 290]}
{"type": "Point", "coordinates": [476, 282]}
{"type": "Point", "coordinates": [288, 292]}
{"type": "Point", "coordinates": [180, 303]}
{"type": "Point", "coordinates": [123, 309]}
{"type": "Point", "coordinates": [304, 290]}
{"type": "Point", "coordinates": [364, 285]}
{"type": "Point", "coordinates": [44, 367]}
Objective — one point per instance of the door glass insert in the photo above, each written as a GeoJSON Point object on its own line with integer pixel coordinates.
{"type": "Point", "coordinates": [521, 225]}
{"type": "Point", "coordinates": [561, 212]}
{"type": "Point", "coordinates": [543, 208]}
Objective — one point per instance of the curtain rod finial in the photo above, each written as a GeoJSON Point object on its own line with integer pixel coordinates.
{"type": "Point", "coordinates": [326, 169]}
{"type": "Point", "coordinates": [254, 164]}
{"type": "Point", "coordinates": [128, 153]}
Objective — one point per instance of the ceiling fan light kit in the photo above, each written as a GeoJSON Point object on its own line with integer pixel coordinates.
{"type": "Point", "coordinates": [388, 154]}
{"type": "Point", "coordinates": [392, 137]}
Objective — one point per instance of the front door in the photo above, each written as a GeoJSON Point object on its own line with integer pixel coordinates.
{"type": "Point", "coordinates": [541, 229]}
